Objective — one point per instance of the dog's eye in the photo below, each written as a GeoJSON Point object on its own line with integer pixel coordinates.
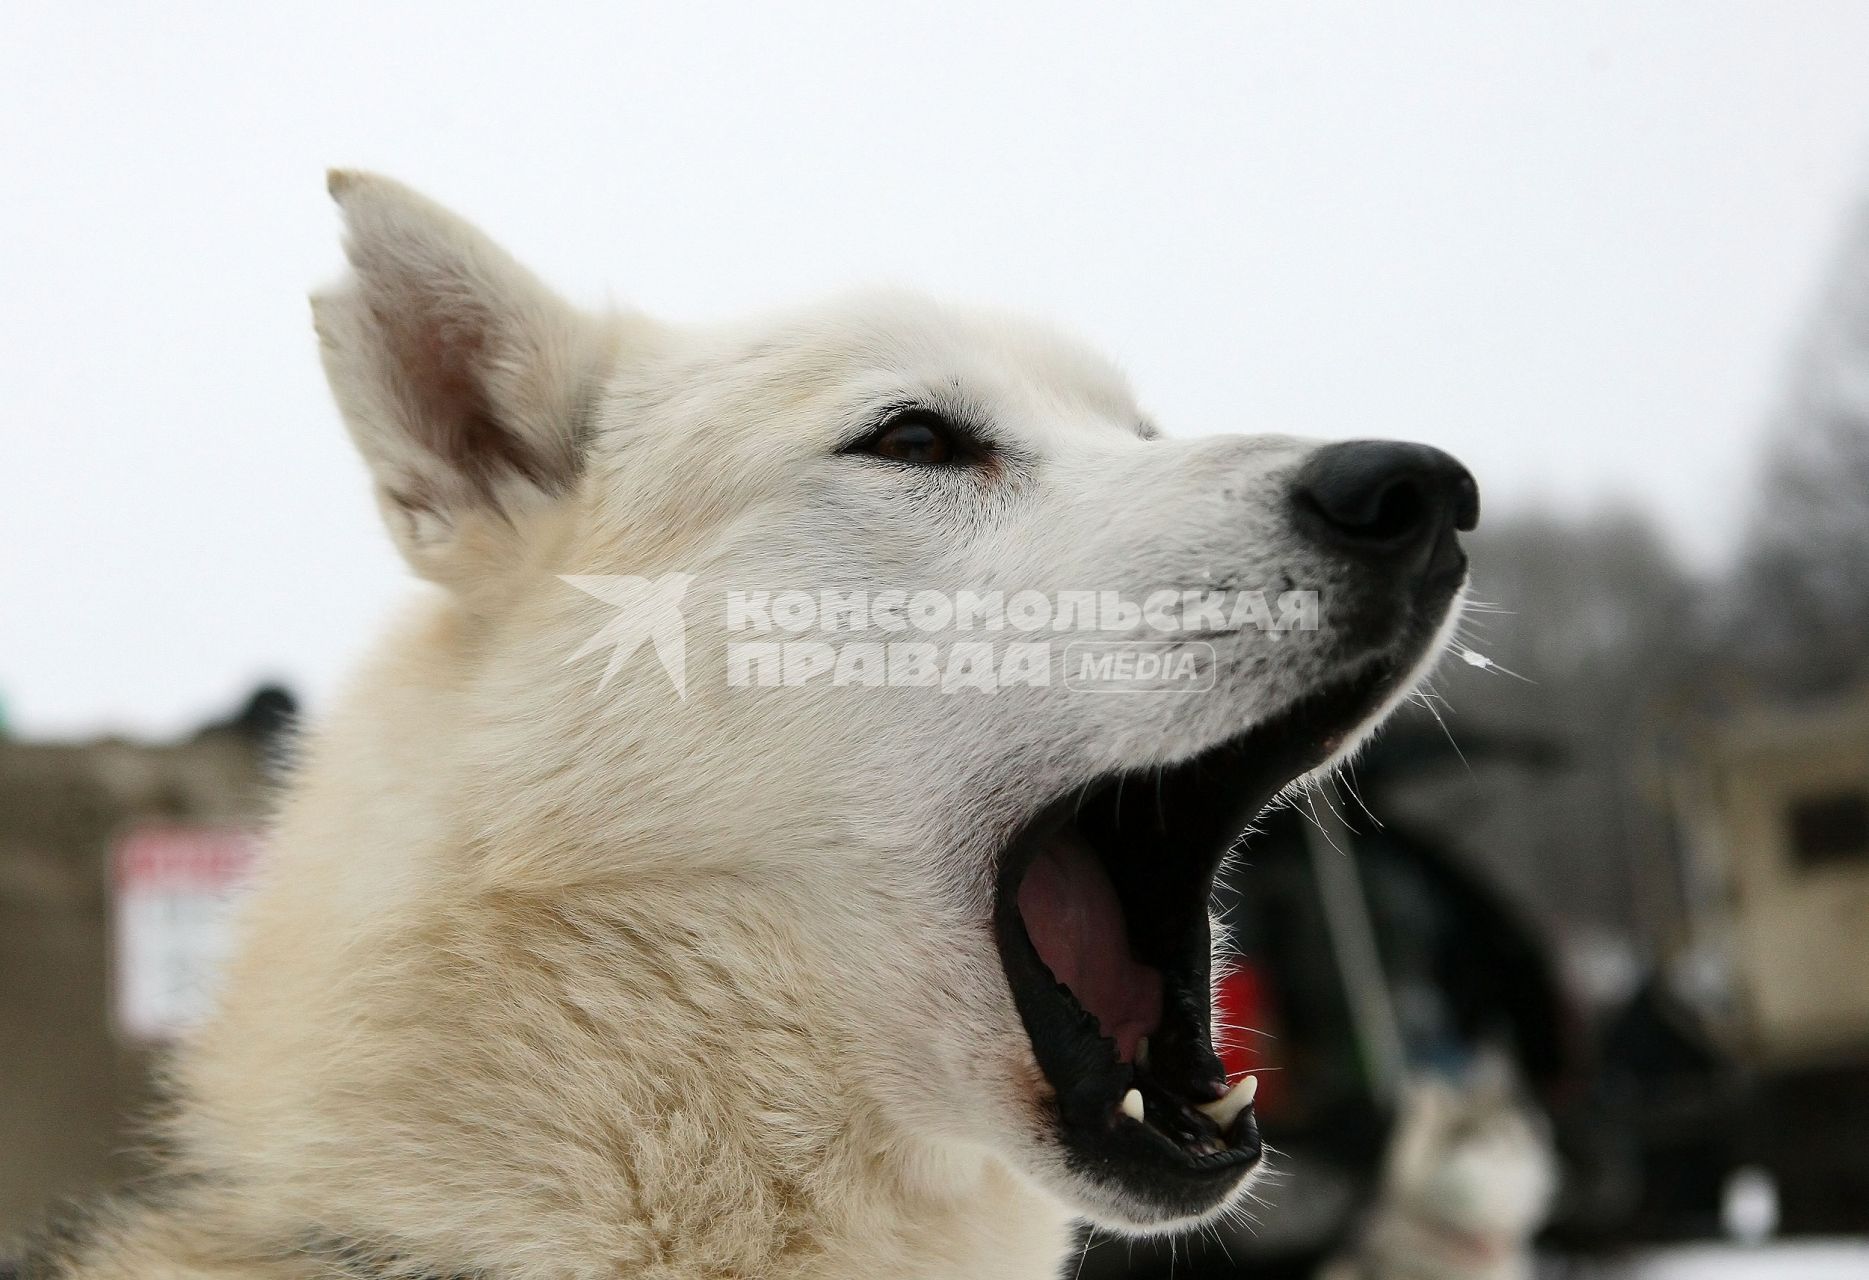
{"type": "Point", "coordinates": [919, 437]}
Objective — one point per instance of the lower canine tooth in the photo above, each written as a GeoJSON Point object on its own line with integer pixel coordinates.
{"type": "Point", "coordinates": [1224, 1111]}
{"type": "Point", "coordinates": [1132, 1105]}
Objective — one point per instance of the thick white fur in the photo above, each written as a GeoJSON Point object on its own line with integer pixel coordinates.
{"type": "Point", "coordinates": [544, 980]}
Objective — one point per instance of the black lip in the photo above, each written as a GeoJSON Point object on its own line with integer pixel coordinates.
{"type": "Point", "coordinates": [1164, 870]}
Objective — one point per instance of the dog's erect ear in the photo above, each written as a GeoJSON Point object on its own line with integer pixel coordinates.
{"type": "Point", "coordinates": [463, 379]}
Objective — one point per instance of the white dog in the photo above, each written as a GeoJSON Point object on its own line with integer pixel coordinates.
{"type": "Point", "coordinates": [1469, 1180]}
{"type": "Point", "coordinates": [754, 953]}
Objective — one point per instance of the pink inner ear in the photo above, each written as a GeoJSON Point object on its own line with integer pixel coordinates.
{"type": "Point", "coordinates": [438, 358]}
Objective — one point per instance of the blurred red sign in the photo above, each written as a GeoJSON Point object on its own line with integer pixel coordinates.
{"type": "Point", "coordinates": [174, 890]}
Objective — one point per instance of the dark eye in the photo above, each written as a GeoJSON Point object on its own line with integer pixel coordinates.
{"type": "Point", "coordinates": [916, 436]}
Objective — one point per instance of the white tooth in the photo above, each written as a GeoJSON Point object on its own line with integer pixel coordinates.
{"type": "Point", "coordinates": [1132, 1105]}
{"type": "Point", "coordinates": [1224, 1111]}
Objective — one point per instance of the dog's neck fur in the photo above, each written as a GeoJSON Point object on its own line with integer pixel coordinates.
{"type": "Point", "coordinates": [640, 1083]}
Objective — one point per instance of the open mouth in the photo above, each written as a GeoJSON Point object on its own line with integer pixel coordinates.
{"type": "Point", "coordinates": [1103, 929]}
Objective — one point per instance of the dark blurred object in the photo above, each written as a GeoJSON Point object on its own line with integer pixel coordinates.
{"type": "Point", "coordinates": [1664, 1124]}
{"type": "Point", "coordinates": [70, 1084]}
{"type": "Point", "coordinates": [266, 719]}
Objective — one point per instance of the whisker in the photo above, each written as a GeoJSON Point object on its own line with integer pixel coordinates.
{"type": "Point", "coordinates": [1433, 711]}
{"type": "Point", "coordinates": [1349, 767]}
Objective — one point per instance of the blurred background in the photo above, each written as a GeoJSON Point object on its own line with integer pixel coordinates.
{"type": "Point", "coordinates": [1574, 965]}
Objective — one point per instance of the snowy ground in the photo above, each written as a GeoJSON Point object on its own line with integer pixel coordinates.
{"type": "Point", "coordinates": [1821, 1260]}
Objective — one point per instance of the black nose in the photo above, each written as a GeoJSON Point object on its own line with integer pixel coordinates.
{"type": "Point", "coordinates": [1384, 499]}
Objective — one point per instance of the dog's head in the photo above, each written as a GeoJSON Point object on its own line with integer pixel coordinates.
{"type": "Point", "coordinates": [902, 630]}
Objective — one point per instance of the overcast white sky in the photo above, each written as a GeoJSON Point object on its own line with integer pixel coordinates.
{"type": "Point", "coordinates": [1571, 242]}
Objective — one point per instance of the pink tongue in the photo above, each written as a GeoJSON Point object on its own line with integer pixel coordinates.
{"type": "Point", "coordinates": [1075, 921]}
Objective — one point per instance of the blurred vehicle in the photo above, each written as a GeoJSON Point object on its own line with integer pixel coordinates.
{"type": "Point", "coordinates": [1754, 1043]}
